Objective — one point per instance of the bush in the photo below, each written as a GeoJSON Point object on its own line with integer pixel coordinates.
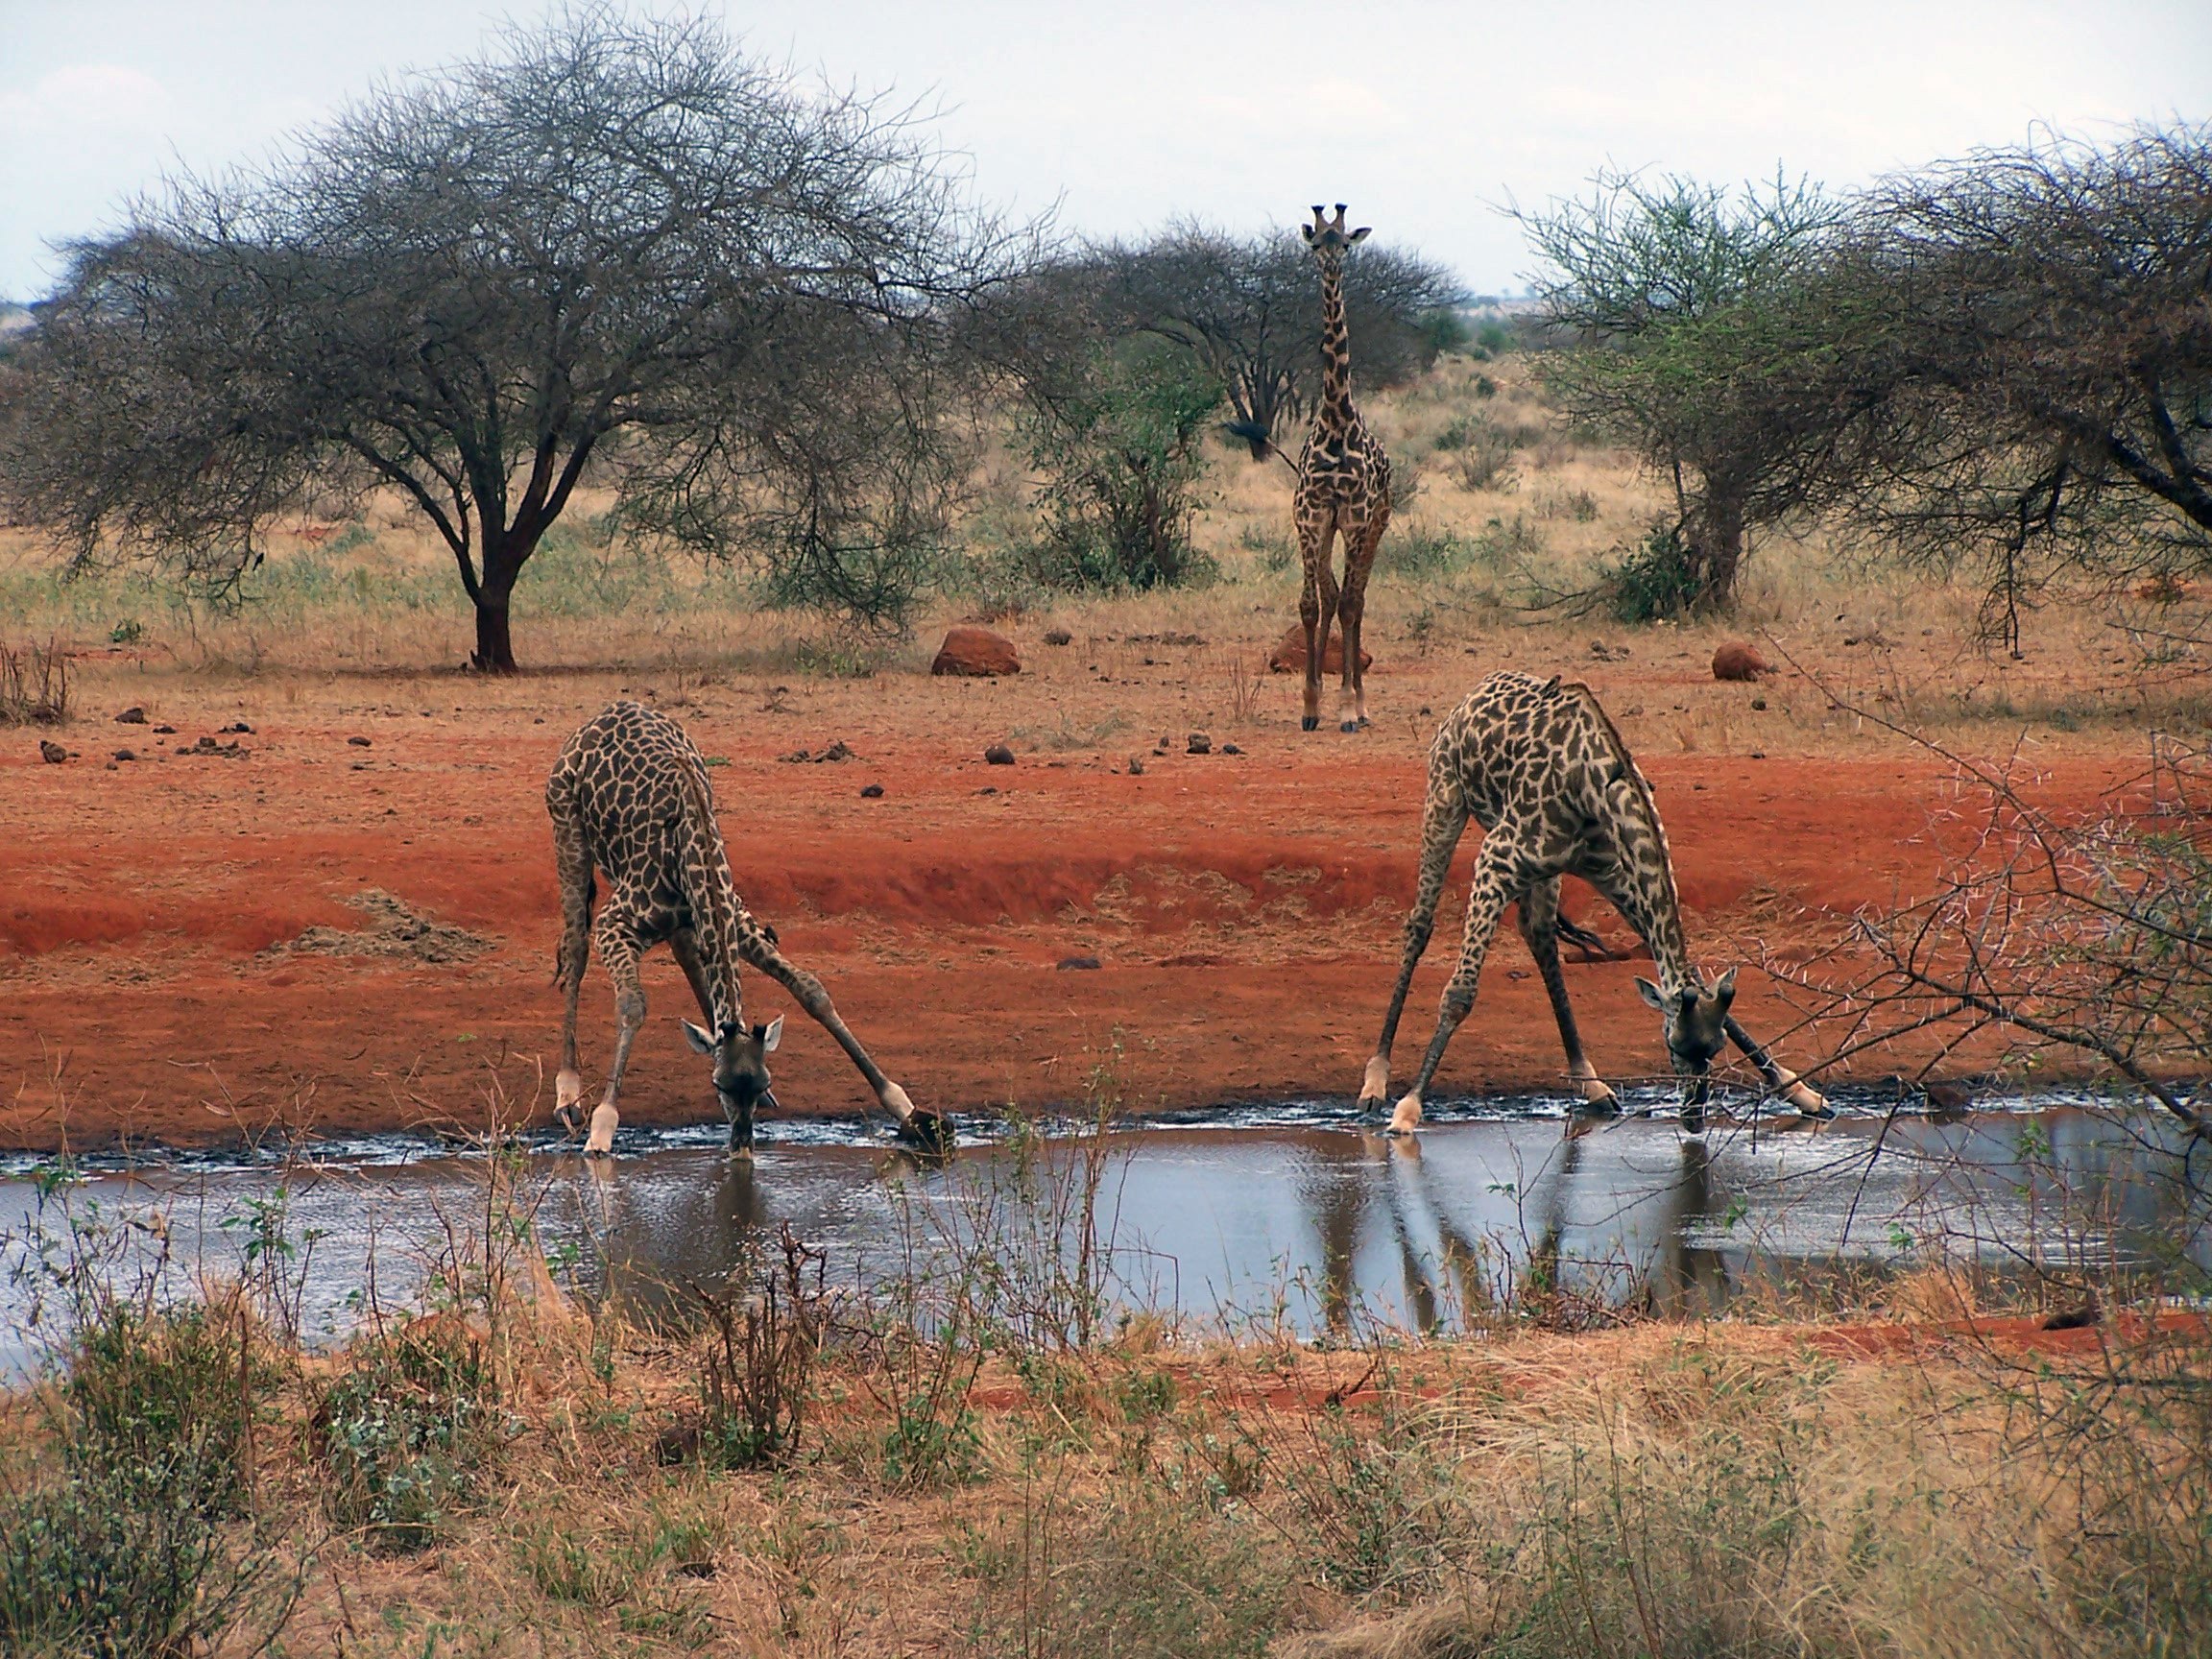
{"type": "Point", "coordinates": [1423, 551]}
{"type": "Point", "coordinates": [403, 1435]}
{"type": "Point", "coordinates": [1153, 1577]}
{"type": "Point", "coordinates": [756, 1369]}
{"type": "Point", "coordinates": [1482, 453]}
{"type": "Point", "coordinates": [121, 1557]}
{"type": "Point", "coordinates": [171, 1388]}
{"type": "Point", "coordinates": [1121, 458]}
{"type": "Point", "coordinates": [1654, 581]}
{"type": "Point", "coordinates": [125, 1551]}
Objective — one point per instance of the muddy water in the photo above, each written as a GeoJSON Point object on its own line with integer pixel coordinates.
{"type": "Point", "coordinates": [1294, 1216]}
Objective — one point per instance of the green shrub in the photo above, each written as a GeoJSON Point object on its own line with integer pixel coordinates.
{"type": "Point", "coordinates": [1155, 1576]}
{"type": "Point", "coordinates": [1119, 454]}
{"type": "Point", "coordinates": [1653, 580]}
{"type": "Point", "coordinates": [1421, 551]}
{"type": "Point", "coordinates": [403, 1435]}
{"type": "Point", "coordinates": [122, 1558]}
{"type": "Point", "coordinates": [169, 1388]}
{"type": "Point", "coordinates": [129, 1545]}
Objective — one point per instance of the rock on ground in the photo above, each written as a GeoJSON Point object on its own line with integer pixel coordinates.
{"type": "Point", "coordinates": [1289, 654]}
{"type": "Point", "coordinates": [976, 651]}
{"type": "Point", "coordinates": [1736, 660]}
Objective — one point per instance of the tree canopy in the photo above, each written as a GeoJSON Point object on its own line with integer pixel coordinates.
{"type": "Point", "coordinates": [1248, 309]}
{"type": "Point", "coordinates": [607, 244]}
{"type": "Point", "coordinates": [1664, 289]}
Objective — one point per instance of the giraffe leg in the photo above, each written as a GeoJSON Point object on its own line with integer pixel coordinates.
{"type": "Point", "coordinates": [618, 948]}
{"type": "Point", "coordinates": [1316, 606]}
{"type": "Point", "coordinates": [925, 1128]}
{"type": "Point", "coordinates": [1497, 879]}
{"type": "Point", "coordinates": [1780, 1078]}
{"type": "Point", "coordinates": [1358, 564]}
{"type": "Point", "coordinates": [572, 863]}
{"type": "Point", "coordinates": [684, 946]}
{"type": "Point", "coordinates": [1443, 821]}
{"type": "Point", "coordinates": [1539, 921]}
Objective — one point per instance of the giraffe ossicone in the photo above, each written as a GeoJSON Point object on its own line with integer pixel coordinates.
{"type": "Point", "coordinates": [1343, 492]}
{"type": "Point", "coordinates": [1541, 767]}
{"type": "Point", "coordinates": [629, 798]}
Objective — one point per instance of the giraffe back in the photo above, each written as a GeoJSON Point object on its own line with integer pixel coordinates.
{"type": "Point", "coordinates": [635, 787]}
{"type": "Point", "coordinates": [1546, 757]}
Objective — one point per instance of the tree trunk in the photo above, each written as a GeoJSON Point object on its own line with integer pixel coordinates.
{"type": "Point", "coordinates": [494, 645]}
{"type": "Point", "coordinates": [1719, 549]}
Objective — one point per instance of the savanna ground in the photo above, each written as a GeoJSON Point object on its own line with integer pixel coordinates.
{"type": "Point", "coordinates": [347, 924]}
{"type": "Point", "coordinates": [173, 927]}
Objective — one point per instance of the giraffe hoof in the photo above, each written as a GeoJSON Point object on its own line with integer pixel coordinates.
{"type": "Point", "coordinates": [1311, 723]}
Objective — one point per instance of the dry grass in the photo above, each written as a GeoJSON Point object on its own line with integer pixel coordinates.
{"type": "Point", "coordinates": [378, 597]}
{"type": "Point", "coordinates": [1658, 1491]}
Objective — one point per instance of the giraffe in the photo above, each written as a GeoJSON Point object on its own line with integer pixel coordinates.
{"type": "Point", "coordinates": [1541, 767]}
{"type": "Point", "coordinates": [630, 795]}
{"type": "Point", "coordinates": [1343, 488]}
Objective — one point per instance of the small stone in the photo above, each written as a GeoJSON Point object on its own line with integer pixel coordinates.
{"type": "Point", "coordinates": [358, 742]}
{"type": "Point", "coordinates": [1231, 749]}
{"type": "Point", "coordinates": [988, 789]}
{"type": "Point", "coordinates": [126, 755]}
{"type": "Point", "coordinates": [1199, 744]}
{"type": "Point", "coordinates": [239, 725]}
{"type": "Point", "coordinates": [998, 755]}
{"type": "Point", "coordinates": [1757, 754]}
{"type": "Point", "coordinates": [1760, 704]}
{"type": "Point", "coordinates": [1076, 964]}
{"type": "Point", "coordinates": [871, 792]}
{"type": "Point", "coordinates": [1136, 767]}
{"type": "Point", "coordinates": [51, 752]}
{"type": "Point", "coordinates": [165, 731]}
{"type": "Point", "coordinates": [132, 716]}
{"type": "Point", "coordinates": [1058, 637]}
{"type": "Point", "coordinates": [1426, 709]}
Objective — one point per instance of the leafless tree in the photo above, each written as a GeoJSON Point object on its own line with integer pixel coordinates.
{"type": "Point", "coordinates": [609, 244]}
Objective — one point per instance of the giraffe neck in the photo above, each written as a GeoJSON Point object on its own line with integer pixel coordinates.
{"type": "Point", "coordinates": [712, 893]}
{"type": "Point", "coordinates": [1335, 347]}
{"type": "Point", "coordinates": [1670, 949]}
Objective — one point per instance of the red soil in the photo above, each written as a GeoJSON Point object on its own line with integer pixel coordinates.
{"type": "Point", "coordinates": [1244, 908]}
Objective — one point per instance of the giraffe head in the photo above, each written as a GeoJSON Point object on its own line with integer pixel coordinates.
{"type": "Point", "coordinates": [1696, 1022]}
{"type": "Point", "coordinates": [740, 1066]}
{"type": "Point", "coordinates": [1328, 237]}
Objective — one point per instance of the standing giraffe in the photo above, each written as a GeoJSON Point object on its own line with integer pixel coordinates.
{"type": "Point", "coordinates": [629, 795]}
{"type": "Point", "coordinates": [1540, 766]}
{"type": "Point", "coordinates": [1343, 488]}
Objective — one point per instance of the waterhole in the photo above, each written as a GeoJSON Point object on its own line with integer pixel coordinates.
{"type": "Point", "coordinates": [1297, 1218]}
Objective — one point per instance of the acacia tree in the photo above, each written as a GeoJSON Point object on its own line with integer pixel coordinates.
{"type": "Point", "coordinates": [1248, 309]}
{"type": "Point", "coordinates": [1663, 290]}
{"type": "Point", "coordinates": [2031, 358]}
{"type": "Point", "coordinates": [609, 244]}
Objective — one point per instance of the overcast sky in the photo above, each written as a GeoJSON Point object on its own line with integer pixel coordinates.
{"type": "Point", "coordinates": [1126, 113]}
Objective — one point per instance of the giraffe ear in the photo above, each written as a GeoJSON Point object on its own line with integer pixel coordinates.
{"type": "Point", "coordinates": [701, 1040]}
{"type": "Point", "coordinates": [1360, 234]}
{"type": "Point", "coordinates": [1724, 989]}
{"type": "Point", "coordinates": [771, 1034]}
{"type": "Point", "coordinates": [1307, 231]}
{"type": "Point", "coordinates": [1650, 993]}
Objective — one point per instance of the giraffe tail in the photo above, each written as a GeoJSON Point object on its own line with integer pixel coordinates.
{"type": "Point", "coordinates": [1572, 933]}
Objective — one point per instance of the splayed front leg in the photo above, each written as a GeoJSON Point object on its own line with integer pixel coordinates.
{"type": "Point", "coordinates": [1406, 1118]}
{"type": "Point", "coordinates": [1597, 1095]}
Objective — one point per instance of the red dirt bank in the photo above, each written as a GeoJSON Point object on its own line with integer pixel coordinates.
{"type": "Point", "coordinates": [1244, 908]}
